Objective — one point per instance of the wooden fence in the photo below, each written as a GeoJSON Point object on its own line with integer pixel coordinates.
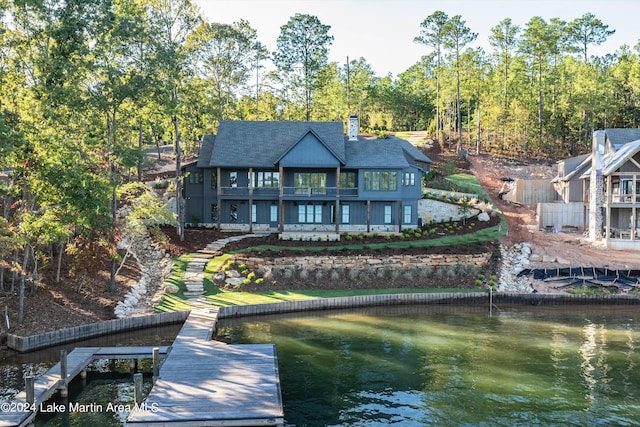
{"type": "Point", "coordinates": [531, 191]}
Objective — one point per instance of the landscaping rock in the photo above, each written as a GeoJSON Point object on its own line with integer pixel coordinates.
{"type": "Point", "coordinates": [171, 289]}
{"type": "Point", "coordinates": [483, 217]}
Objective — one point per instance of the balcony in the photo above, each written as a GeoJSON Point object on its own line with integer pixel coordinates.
{"type": "Point", "coordinates": [289, 192]}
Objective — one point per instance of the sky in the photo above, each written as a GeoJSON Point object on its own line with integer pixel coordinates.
{"type": "Point", "coordinates": [382, 31]}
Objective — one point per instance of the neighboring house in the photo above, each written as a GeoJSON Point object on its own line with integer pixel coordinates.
{"type": "Point", "coordinates": [303, 177]}
{"type": "Point", "coordinates": [607, 182]}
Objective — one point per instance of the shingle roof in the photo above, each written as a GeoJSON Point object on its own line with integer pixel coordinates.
{"type": "Point", "coordinates": [620, 136]}
{"type": "Point", "coordinates": [383, 153]}
{"type": "Point", "coordinates": [261, 144]}
{"type": "Point", "coordinates": [613, 161]}
{"type": "Point", "coordinates": [206, 149]}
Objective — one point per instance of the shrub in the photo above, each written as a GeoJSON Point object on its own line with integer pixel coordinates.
{"type": "Point", "coordinates": [259, 281]}
{"type": "Point", "coordinates": [251, 276]}
{"type": "Point", "coordinates": [246, 282]}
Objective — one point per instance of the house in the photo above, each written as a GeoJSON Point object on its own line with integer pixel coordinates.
{"type": "Point", "coordinates": [607, 183]}
{"type": "Point", "coordinates": [303, 179]}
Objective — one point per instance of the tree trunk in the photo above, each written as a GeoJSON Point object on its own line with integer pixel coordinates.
{"type": "Point", "coordinates": [141, 158]}
{"type": "Point", "coordinates": [59, 262]}
{"type": "Point", "coordinates": [179, 212]}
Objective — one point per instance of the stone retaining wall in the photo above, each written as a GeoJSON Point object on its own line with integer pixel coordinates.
{"type": "Point", "coordinates": [360, 262]}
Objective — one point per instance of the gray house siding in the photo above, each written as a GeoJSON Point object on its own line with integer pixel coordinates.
{"type": "Point", "coordinates": [305, 167]}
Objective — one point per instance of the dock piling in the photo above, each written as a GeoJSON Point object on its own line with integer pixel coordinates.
{"type": "Point", "coordinates": [156, 363]}
{"type": "Point", "coordinates": [137, 389]}
{"type": "Point", "coordinates": [29, 386]}
{"type": "Point", "coordinates": [63, 373]}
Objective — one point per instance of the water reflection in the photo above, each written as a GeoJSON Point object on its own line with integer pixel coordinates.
{"type": "Point", "coordinates": [447, 365]}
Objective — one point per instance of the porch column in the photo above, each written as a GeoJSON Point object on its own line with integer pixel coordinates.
{"type": "Point", "coordinates": [368, 216]}
{"type": "Point", "coordinates": [400, 216]}
{"type": "Point", "coordinates": [219, 191]}
{"type": "Point", "coordinates": [250, 184]}
{"type": "Point", "coordinates": [281, 201]}
{"type": "Point", "coordinates": [337, 204]}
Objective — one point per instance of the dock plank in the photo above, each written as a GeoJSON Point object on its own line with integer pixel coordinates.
{"type": "Point", "coordinates": [208, 383]}
{"type": "Point", "coordinates": [216, 390]}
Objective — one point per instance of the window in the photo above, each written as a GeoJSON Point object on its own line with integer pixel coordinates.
{"type": "Point", "coordinates": [347, 180]}
{"type": "Point", "coordinates": [214, 213]}
{"type": "Point", "coordinates": [375, 181]}
{"type": "Point", "coordinates": [273, 213]}
{"type": "Point", "coordinates": [380, 181]}
{"type": "Point", "coordinates": [214, 180]}
{"type": "Point", "coordinates": [195, 178]}
{"type": "Point", "coordinates": [309, 214]}
{"type": "Point", "coordinates": [267, 179]}
{"type": "Point", "coordinates": [306, 182]}
{"type": "Point", "coordinates": [233, 213]}
{"type": "Point", "coordinates": [387, 214]}
{"type": "Point", "coordinates": [345, 214]}
{"type": "Point", "coordinates": [408, 179]}
{"type": "Point", "coordinates": [393, 181]}
{"type": "Point", "coordinates": [407, 214]}
{"type": "Point", "coordinates": [233, 179]}
{"type": "Point", "coordinates": [254, 213]}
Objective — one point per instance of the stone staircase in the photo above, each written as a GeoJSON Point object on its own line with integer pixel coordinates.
{"type": "Point", "coordinates": [194, 275]}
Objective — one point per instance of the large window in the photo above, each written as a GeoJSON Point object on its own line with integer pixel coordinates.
{"type": "Point", "coordinates": [233, 179]}
{"type": "Point", "coordinates": [305, 182]}
{"type": "Point", "coordinates": [254, 213]}
{"type": "Point", "coordinates": [267, 179]}
{"type": "Point", "coordinates": [347, 180]}
{"type": "Point", "coordinates": [309, 214]}
{"type": "Point", "coordinates": [380, 181]}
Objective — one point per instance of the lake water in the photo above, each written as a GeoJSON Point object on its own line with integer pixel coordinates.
{"type": "Point", "coordinates": [427, 365]}
{"type": "Point", "coordinates": [454, 366]}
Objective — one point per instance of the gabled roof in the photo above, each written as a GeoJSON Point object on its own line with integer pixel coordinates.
{"type": "Point", "coordinates": [206, 149]}
{"type": "Point", "coordinates": [613, 161]}
{"type": "Point", "coordinates": [383, 153]}
{"type": "Point", "coordinates": [263, 143]}
{"type": "Point", "coordinates": [327, 146]}
{"type": "Point", "coordinates": [621, 136]}
{"type": "Point", "coordinates": [585, 163]}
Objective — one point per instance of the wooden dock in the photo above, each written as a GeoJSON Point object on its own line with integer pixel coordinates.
{"type": "Point", "coordinates": [46, 385]}
{"type": "Point", "coordinates": [207, 383]}
{"type": "Point", "coordinates": [201, 383]}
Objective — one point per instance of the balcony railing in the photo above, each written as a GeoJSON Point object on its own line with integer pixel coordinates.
{"type": "Point", "coordinates": [289, 191]}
